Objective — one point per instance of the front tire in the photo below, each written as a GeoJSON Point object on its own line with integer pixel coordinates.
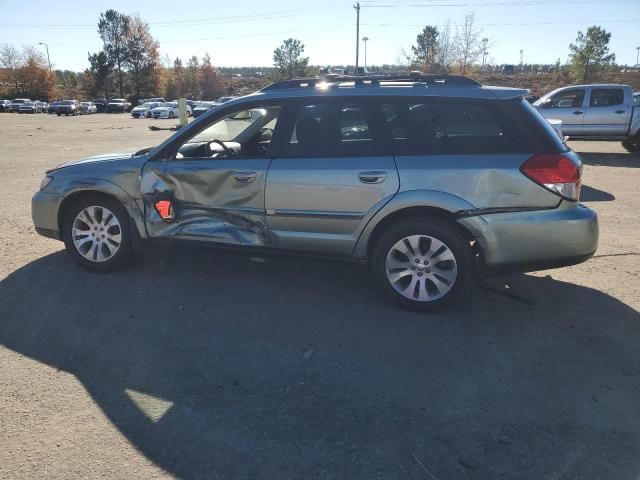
{"type": "Point", "coordinates": [423, 263]}
{"type": "Point", "coordinates": [171, 115]}
{"type": "Point", "coordinates": [97, 233]}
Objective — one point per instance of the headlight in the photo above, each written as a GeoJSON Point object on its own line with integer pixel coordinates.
{"type": "Point", "coordinates": [45, 181]}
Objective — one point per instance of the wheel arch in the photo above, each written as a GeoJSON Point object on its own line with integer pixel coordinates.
{"type": "Point", "coordinates": [113, 193]}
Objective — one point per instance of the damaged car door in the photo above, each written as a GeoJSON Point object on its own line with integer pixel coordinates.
{"type": "Point", "coordinates": [212, 184]}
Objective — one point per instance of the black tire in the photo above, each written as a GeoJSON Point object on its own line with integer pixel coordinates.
{"type": "Point", "coordinates": [632, 144]}
{"type": "Point", "coordinates": [58, 114]}
{"type": "Point", "coordinates": [171, 115]}
{"type": "Point", "coordinates": [440, 229]}
{"type": "Point", "coordinates": [124, 253]}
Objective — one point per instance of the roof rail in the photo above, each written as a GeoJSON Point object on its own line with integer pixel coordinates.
{"type": "Point", "coordinates": [374, 80]}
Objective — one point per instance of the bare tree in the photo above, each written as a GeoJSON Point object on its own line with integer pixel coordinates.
{"type": "Point", "coordinates": [12, 60]}
{"type": "Point", "coordinates": [445, 55]}
{"type": "Point", "coordinates": [468, 43]}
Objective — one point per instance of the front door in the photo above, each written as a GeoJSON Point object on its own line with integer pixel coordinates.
{"type": "Point", "coordinates": [328, 176]}
{"type": "Point", "coordinates": [214, 182]}
{"type": "Point", "coordinates": [567, 106]}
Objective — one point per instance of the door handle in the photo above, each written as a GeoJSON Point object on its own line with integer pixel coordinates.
{"type": "Point", "coordinates": [578, 112]}
{"type": "Point", "coordinates": [619, 111]}
{"type": "Point", "coordinates": [372, 177]}
{"type": "Point", "coordinates": [244, 177]}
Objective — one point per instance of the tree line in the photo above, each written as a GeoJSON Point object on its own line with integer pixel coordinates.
{"type": "Point", "coordinates": [129, 64]}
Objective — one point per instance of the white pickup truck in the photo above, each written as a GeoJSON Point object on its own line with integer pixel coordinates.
{"type": "Point", "coordinates": [606, 111]}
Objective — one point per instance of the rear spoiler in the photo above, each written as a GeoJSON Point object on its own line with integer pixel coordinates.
{"type": "Point", "coordinates": [508, 93]}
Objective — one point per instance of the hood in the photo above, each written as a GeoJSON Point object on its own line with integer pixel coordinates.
{"type": "Point", "coordinates": [140, 108]}
{"type": "Point", "coordinates": [109, 157]}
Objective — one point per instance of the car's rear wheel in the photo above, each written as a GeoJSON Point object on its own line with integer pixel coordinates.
{"type": "Point", "coordinates": [632, 144]}
{"type": "Point", "coordinates": [171, 115]}
{"type": "Point", "coordinates": [97, 233]}
{"type": "Point", "coordinates": [423, 263]}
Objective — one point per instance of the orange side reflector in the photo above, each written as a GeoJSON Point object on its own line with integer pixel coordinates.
{"type": "Point", "coordinates": [163, 207]}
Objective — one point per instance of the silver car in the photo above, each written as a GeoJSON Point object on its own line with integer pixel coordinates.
{"type": "Point", "coordinates": [428, 180]}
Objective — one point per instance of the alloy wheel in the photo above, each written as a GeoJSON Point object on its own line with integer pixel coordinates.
{"type": "Point", "coordinates": [421, 268]}
{"type": "Point", "coordinates": [96, 233]}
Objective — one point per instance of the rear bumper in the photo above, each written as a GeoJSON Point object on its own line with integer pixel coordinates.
{"type": "Point", "coordinates": [536, 240]}
{"type": "Point", "coordinates": [44, 213]}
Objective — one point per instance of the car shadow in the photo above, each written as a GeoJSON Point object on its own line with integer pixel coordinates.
{"type": "Point", "coordinates": [590, 194]}
{"type": "Point", "coordinates": [628, 160]}
{"type": "Point", "coordinates": [220, 366]}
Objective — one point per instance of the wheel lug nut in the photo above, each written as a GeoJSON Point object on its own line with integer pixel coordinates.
{"type": "Point", "coordinates": [417, 260]}
{"type": "Point", "coordinates": [426, 262]}
{"type": "Point", "coordinates": [428, 271]}
{"type": "Point", "coordinates": [413, 268]}
{"type": "Point", "coordinates": [419, 274]}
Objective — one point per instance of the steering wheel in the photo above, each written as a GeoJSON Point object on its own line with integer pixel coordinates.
{"type": "Point", "coordinates": [228, 151]}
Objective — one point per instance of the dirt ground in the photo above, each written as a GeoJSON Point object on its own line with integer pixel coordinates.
{"type": "Point", "coordinates": [198, 364]}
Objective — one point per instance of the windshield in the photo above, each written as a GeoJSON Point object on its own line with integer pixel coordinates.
{"type": "Point", "coordinates": [146, 105]}
{"type": "Point", "coordinates": [228, 128]}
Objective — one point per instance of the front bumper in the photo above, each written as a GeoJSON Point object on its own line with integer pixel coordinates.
{"type": "Point", "coordinates": [44, 213]}
{"type": "Point", "coordinates": [535, 240]}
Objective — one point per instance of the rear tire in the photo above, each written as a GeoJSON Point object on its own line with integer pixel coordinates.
{"type": "Point", "coordinates": [97, 233]}
{"type": "Point", "coordinates": [632, 144]}
{"type": "Point", "coordinates": [423, 263]}
{"type": "Point", "coordinates": [171, 115]}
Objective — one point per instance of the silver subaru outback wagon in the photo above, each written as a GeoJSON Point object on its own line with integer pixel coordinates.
{"type": "Point", "coordinates": [429, 180]}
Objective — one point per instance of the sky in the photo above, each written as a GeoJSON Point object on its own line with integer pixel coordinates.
{"type": "Point", "coordinates": [245, 32]}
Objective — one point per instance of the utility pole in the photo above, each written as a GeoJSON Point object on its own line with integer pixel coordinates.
{"type": "Point", "coordinates": [485, 41]}
{"type": "Point", "coordinates": [48, 59]}
{"type": "Point", "coordinates": [637, 54]}
{"type": "Point", "coordinates": [365, 40]}
{"type": "Point", "coordinates": [357, 7]}
{"type": "Point", "coordinates": [521, 60]}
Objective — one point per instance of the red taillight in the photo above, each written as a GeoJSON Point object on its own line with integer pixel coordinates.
{"type": "Point", "coordinates": [556, 173]}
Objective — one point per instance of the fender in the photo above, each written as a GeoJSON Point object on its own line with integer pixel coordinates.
{"type": "Point", "coordinates": [405, 200]}
{"type": "Point", "coordinates": [75, 186]}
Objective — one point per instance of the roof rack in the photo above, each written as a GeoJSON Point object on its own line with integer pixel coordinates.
{"type": "Point", "coordinates": [375, 80]}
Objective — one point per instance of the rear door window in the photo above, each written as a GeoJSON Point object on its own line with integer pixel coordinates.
{"type": "Point", "coordinates": [606, 97]}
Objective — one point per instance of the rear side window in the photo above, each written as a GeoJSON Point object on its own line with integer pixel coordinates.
{"type": "Point", "coordinates": [606, 97]}
{"type": "Point", "coordinates": [454, 127]}
{"type": "Point", "coordinates": [568, 99]}
{"type": "Point", "coordinates": [331, 130]}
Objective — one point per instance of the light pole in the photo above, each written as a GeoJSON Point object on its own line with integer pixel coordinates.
{"type": "Point", "coordinates": [637, 54]}
{"type": "Point", "coordinates": [365, 40]}
{"type": "Point", "coordinates": [48, 58]}
{"type": "Point", "coordinates": [357, 7]}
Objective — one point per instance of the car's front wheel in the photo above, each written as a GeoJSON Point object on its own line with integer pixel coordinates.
{"type": "Point", "coordinates": [97, 233]}
{"type": "Point", "coordinates": [423, 263]}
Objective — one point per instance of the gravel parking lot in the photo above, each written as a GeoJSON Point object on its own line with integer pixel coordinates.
{"type": "Point", "coordinates": [198, 364]}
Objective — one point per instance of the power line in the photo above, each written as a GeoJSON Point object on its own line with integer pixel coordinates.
{"type": "Point", "coordinates": [573, 22]}
{"type": "Point", "coordinates": [503, 3]}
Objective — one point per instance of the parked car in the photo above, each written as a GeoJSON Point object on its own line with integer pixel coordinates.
{"type": "Point", "coordinates": [603, 111]}
{"type": "Point", "coordinates": [88, 108]}
{"type": "Point", "coordinates": [168, 110]}
{"type": "Point", "coordinates": [30, 107]}
{"type": "Point", "coordinates": [202, 107]}
{"type": "Point", "coordinates": [224, 100]}
{"type": "Point", "coordinates": [53, 106]}
{"type": "Point", "coordinates": [4, 105]}
{"type": "Point", "coordinates": [101, 104]}
{"type": "Point", "coordinates": [14, 106]}
{"type": "Point", "coordinates": [508, 69]}
{"type": "Point", "coordinates": [69, 107]}
{"type": "Point", "coordinates": [44, 107]}
{"type": "Point", "coordinates": [144, 110]}
{"type": "Point", "coordinates": [440, 184]}
{"type": "Point", "coordinates": [118, 105]}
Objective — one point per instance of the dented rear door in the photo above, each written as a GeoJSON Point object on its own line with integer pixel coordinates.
{"type": "Point", "coordinates": [218, 200]}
